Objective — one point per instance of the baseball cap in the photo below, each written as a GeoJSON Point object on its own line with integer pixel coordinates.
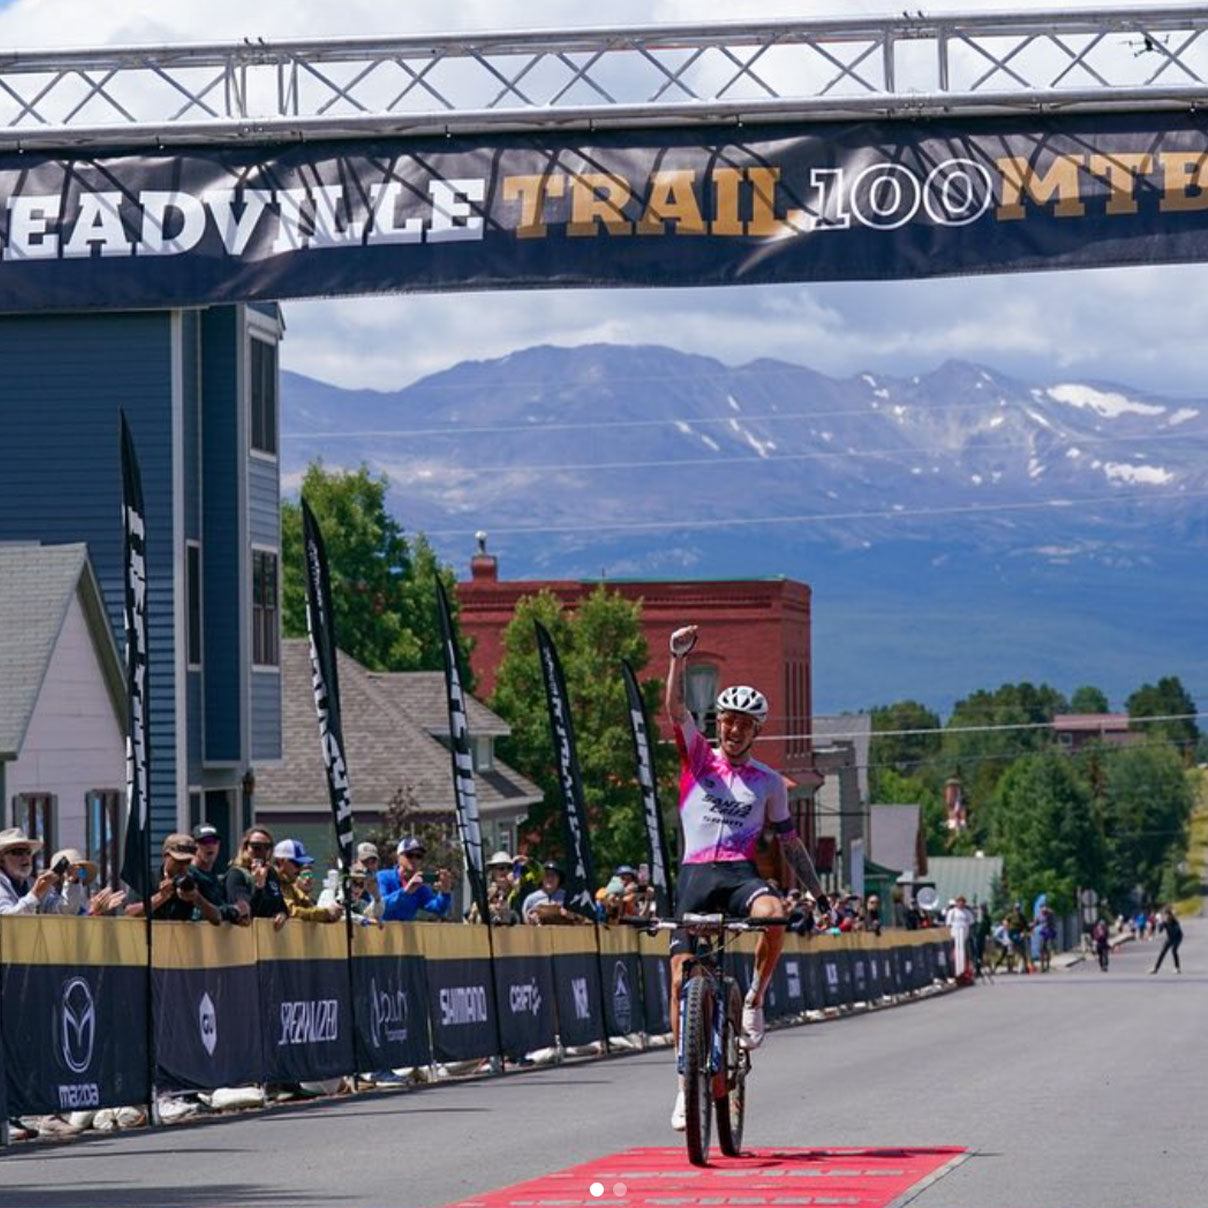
{"type": "Point", "coordinates": [367, 851]}
{"type": "Point", "coordinates": [292, 849]}
{"type": "Point", "coordinates": [205, 830]}
{"type": "Point", "coordinates": [181, 846]}
{"type": "Point", "coordinates": [626, 870]}
{"type": "Point", "coordinates": [410, 846]}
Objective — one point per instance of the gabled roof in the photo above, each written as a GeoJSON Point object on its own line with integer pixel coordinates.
{"type": "Point", "coordinates": [421, 695]}
{"type": "Point", "coordinates": [894, 836]}
{"type": "Point", "coordinates": [37, 585]}
{"type": "Point", "coordinates": [979, 878]}
{"type": "Point", "coordinates": [385, 746]}
{"type": "Point", "coordinates": [1091, 723]}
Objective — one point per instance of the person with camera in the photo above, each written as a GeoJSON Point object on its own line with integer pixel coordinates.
{"type": "Point", "coordinates": [362, 887]}
{"type": "Point", "coordinates": [252, 879]}
{"type": "Point", "coordinates": [210, 883]}
{"type": "Point", "coordinates": [179, 897]}
{"type": "Point", "coordinates": [20, 891]}
{"type": "Point", "coordinates": [70, 895]}
{"type": "Point", "coordinates": [290, 857]}
{"type": "Point", "coordinates": [406, 889]}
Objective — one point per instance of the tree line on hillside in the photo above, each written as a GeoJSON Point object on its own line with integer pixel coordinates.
{"type": "Point", "coordinates": [1111, 818]}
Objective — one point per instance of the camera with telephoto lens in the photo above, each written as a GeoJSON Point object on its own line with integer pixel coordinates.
{"type": "Point", "coordinates": [60, 868]}
{"type": "Point", "coordinates": [185, 881]}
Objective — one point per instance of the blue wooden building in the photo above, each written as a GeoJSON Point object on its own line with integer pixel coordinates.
{"type": "Point", "coordinates": [199, 388]}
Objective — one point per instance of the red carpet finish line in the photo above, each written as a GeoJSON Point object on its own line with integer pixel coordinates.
{"type": "Point", "coordinates": [663, 1178]}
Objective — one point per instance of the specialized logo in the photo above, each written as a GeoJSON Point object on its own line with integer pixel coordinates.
{"type": "Point", "coordinates": [622, 1000]}
{"type": "Point", "coordinates": [792, 976]}
{"type": "Point", "coordinates": [77, 1034]}
{"type": "Point", "coordinates": [207, 1023]}
{"type": "Point", "coordinates": [578, 987]}
{"type": "Point", "coordinates": [310, 1021]}
{"type": "Point", "coordinates": [388, 1014]}
{"type": "Point", "coordinates": [462, 1005]}
{"type": "Point", "coordinates": [525, 998]}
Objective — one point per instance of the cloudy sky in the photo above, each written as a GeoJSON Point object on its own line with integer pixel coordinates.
{"type": "Point", "coordinates": [1140, 326]}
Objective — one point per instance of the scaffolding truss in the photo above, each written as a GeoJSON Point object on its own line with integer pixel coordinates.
{"type": "Point", "coordinates": [1153, 57]}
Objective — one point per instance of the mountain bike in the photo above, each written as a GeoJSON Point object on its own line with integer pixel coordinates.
{"type": "Point", "coordinates": [712, 1062]}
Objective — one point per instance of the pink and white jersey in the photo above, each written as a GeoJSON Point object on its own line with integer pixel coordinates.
{"type": "Point", "coordinates": [724, 807]}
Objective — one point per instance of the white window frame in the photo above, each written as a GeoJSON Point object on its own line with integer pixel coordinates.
{"type": "Point", "coordinates": [276, 553]}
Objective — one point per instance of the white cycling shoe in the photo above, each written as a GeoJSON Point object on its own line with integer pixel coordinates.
{"type": "Point", "coordinates": [679, 1118]}
{"type": "Point", "coordinates": [753, 1026]}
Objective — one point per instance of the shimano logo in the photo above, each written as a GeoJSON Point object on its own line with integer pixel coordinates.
{"type": "Point", "coordinates": [310, 1021]}
{"type": "Point", "coordinates": [578, 987]}
{"type": "Point", "coordinates": [388, 1013]}
{"type": "Point", "coordinates": [525, 999]}
{"type": "Point", "coordinates": [462, 1005]}
{"type": "Point", "coordinates": [77, 1024]}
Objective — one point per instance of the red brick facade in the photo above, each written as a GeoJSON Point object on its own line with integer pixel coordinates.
{"type": "Point", "coordinates": [753, 631]}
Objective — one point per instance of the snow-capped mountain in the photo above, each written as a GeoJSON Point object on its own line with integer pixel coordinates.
{"type": "Point", "coordinates": [643, 461]}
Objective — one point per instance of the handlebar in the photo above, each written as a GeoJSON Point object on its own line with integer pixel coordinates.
{"type": "Point", "coordinates": [704, 924]}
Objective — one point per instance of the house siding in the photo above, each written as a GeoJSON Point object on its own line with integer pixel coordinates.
{"type": "Point", "coordinates": [65, 378]}
{"type": "Point", "coordinates": [266, 715]}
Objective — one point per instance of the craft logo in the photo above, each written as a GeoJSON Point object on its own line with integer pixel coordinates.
{"type": "Point", "coordinates": [388, 1013]}
{"type": "Point", "coordinates": [76, 1021]}
{"type": "Point", "coordinates": [622, 1002]}
{"type": "Point", "coordinates": [525, 998]}
{"type": "Point", "coordinates": [207, 1023]}
{"type": "Point", "coordinates": [463, 1005]}
{"type": "Point", "coordinates": [578, 987]}
{"type": "Point", "coordinates": [792, 976]}
{"type": "Point", "coordinates": [310, 1021]}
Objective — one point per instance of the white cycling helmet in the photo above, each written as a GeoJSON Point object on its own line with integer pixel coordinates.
{"type": "Point", "coordinates": [741, 699]}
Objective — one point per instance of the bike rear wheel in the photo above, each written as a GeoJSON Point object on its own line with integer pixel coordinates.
{"type": "Point", "coordinates": [698, 1090]}
{"type": "Point", "coordinates": [731, 1104]}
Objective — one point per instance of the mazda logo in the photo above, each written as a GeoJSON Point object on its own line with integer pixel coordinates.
{"type": "Point", "coordinates": [78, 1024]}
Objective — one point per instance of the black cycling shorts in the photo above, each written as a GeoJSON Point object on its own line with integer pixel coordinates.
{"type": "Point", "coordinates": [725, 887]}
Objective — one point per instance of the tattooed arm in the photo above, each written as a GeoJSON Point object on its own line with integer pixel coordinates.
{"type": "Point", "coordinates": [800, 862]}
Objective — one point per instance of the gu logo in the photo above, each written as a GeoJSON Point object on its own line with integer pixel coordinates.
{"type": "Point", "coordinates": [207, 1023]}
{"type": "Point", "coordinates": [578, 987]}
{"type": "Point", "coordinates": [77, 1024]}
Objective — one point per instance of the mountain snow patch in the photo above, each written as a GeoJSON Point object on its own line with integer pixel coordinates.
{"type": "Point", "coordinates": [686, 429]}
{"type": "Point", "coordinates": [997, 421]}
{"type": "Point", "coordinates": [1102, 402]}
{"type": "Point", "coordinates": [976, 479]}
{"type": "Point", "coordinates": [710, 442]}
{"type": "Point", "coordinates": [733, 403]}
{"type": "Point", "coordinates": [881, 393]}
{"type": "Point", "coordinates": [1035, 469]}
{"type": "Point", "coordinates": [1150, 475]}
{"type": "Point", "coordinates": [1182, 415]}
{"type": "Point", "coordinates": [1073, 452]}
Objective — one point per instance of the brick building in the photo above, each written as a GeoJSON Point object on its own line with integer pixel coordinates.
{"type": "Point", "coordinates": [752, 631]}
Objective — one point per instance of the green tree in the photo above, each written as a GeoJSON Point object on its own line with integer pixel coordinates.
{"type": "Point", "coordinates": [1146, 809]}
{"type": "Point", "coordinates": [1088, 699]}
{"type": "Point", "coordinates": [907, 755]}
{"type": "Point", "coordinates": [1167, 698]}
{"type": "Point", "coordinates": [591, 642]}
{"type": "Point", "coordinates": [1045, 829]}
{"type": "Point", "coordinates": [383, 589]}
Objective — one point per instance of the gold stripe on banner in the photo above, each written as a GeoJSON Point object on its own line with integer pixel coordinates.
{"type": "Point", "coordinates": [47, 939]}
{"type": "Point", "coordinates": [519, 941]}
{"type": "Point", "coordinates": [300, 941]}
{"type": "Point", "coordinates": [392, 939]}
{"type": "Point", "coordinates": [618, 941]}
{"type": "Point", "coordinates": [450, 941]}
{"type": "Point", "coordinates": [658, 944]}
{"type": "Point", "coordinates": [201, 946]}
{"type": "Point", "coordinates": [562, 941]}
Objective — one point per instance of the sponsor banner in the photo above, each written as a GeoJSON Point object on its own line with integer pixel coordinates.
{"type": "Point", "coordinates": [930, 956]}
{"type": "Point", "coordinates": [461, 1009]}
{"type": "Point", "coordinates": [792, 971]}
{"type": "Point", "coordinates": [391, 1011]}
{"type": "Point", "coordinates": [620, 966]}
{"type": "Point", "coordinates": [576, 968]}
{"type": "Point", "coordinates": [656, 833]}
{"type": "Point", "coordinates": [815, 994]}
{"type": "Point", "coordinates": [580, 881]}
{"type": "Point", "coordinates": [858, 960]}
{"type": "Point", "coordinates": [71, 1046]}
{"type": "Point", "coordinates": [656, 984]}
{"type": "Point", "coordinates": [775, 202]}
{"type": "Point", "coordinates": [207, 1016]}
{"type": "Point", "coordinates": [136, 853]}
{"type": "Point", "coordinates": [832, 977]}
{"type": "Point", "coordinates": [843, 954]}
{"type": "Point", "coordinates": [875, 958]}
{"type": "Point", "coordinates": [320, 627]}
{"type": "Point", "coordinates": [465, 794]}
{"type": "Point", "coordinates": [527, 1014]}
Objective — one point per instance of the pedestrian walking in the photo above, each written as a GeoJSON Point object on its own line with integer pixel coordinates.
{"type": "Point", "coordinates": [1101, 938]}
{"type": "Point", "coordinates": [1168, 923]}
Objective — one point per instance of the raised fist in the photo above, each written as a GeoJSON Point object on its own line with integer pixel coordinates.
{"type": "Point", "coordinates": [682, 640]}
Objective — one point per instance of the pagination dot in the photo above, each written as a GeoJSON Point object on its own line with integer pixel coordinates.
{"type": "Point", "coordinates": [596, 1189]}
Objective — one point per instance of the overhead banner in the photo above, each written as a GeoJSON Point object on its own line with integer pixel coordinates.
{"type": "Point", "coordinates": [671, 207]}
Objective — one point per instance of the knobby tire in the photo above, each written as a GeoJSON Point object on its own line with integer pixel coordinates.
{"type": "Point", "coordinates": [698, 1090]}
{"type": "Point", "coordinates": [731, 1104]}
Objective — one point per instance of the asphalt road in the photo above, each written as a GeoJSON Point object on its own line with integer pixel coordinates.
{"type": "Point", "coordinates": [1073, 1090]}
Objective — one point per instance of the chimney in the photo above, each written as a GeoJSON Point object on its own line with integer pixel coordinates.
{"type": "Point", "coordinates": [484, 567]}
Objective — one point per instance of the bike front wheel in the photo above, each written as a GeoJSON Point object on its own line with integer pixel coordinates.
{"type": "Point", "coordinates": [731, 1102]}
{"type": "Point", "coordinates": [698, 1090]}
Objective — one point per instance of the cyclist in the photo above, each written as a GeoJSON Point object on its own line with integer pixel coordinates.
{"type": "Point", "coordinates": [726, 799]}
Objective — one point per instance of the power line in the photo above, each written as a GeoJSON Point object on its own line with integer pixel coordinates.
{"type": "Point", "coordinates": [895, 513]}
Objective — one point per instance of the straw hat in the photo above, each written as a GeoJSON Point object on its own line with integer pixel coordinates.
{"type": "Point", "coordinates": [74, 857]}
{"type": "Point", "coordinates": [14, 836]}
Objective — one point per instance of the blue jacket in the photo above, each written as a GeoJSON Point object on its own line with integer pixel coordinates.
{"type": "Point", "coordinates": [399, 906]}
